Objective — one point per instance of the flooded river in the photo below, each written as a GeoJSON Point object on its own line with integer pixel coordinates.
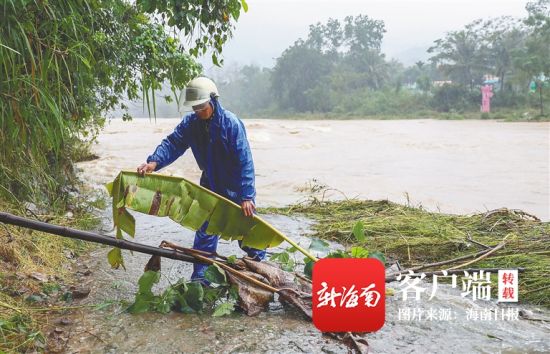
{"type": "Point", "coordinates": [462, 166]}
{"type": "Point", "coordinates": [452, 166]}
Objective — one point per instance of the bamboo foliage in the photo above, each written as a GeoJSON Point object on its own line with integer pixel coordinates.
{"type": "Point", "coordinates": [65, 63]}
{"type": "Point", "coordinates": [191, 206]}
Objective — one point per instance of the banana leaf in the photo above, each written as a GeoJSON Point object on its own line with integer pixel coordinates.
{"type": "Point", "coordinates": [191, 206]}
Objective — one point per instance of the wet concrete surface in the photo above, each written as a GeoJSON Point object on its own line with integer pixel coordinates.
{"type": "Point", "coordinates": [281, 329]}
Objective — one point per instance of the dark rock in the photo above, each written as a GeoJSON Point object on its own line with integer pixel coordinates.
{"type": "Point", "coordinates": [64, 321]}
{"type": "Point", "coordinates": [80, 292]}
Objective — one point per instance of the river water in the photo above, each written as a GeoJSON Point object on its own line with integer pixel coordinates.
{"type": "Point", "coordinates": [456, 166]}
{"type": "Point", "coordinates": [452, 166]}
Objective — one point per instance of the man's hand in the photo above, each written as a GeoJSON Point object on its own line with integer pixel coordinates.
{"type": "Point", "coordinates": [146, 168]}
{"type": "Point", "coordinates": [248, 207]}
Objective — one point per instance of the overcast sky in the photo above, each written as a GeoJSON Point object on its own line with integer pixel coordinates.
{"type": "Point", "coordinates": [411, 26]}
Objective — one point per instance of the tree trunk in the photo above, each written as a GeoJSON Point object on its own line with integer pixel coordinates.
{"type": "Point", "coordinates": [540, 97]}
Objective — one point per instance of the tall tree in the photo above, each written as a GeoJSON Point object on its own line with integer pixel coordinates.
{"type": "Point", "coordinates": [534, 58]}
{"type": "Point", "coordinates": [502, 36]}
{"type": "Point", "coordinates": [363, 36]}
{"type": "Point", "coordinates": [299, 69]}
{"type": "Point", "coordinates": [461, 55]}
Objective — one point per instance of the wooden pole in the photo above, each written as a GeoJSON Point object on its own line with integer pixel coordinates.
{"type": "Point", "coordinates": [11, 219]}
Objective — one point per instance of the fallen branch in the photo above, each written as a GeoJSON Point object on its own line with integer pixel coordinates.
{"type": "Point", "coordinates": [224, 266]}
{"type": "Point", "coordinates": [469, 238]}
{"type": "Point", "coordinates": [436, 264]}
{"type": "Point", "coordinates": [480, 255]}
{"type": "Point", "coordinates": [517, 212]}
{"type": "Point", "coordinates": [485, 255]}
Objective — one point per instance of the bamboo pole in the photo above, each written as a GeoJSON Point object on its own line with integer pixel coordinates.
{"type": "Point", "coordinates": [11, 219]}
{"type": "Point", "coordinates": [174, 253]}
{"type": "Point", "coordinates": [435, 264]}
{"type": "Point", "coordinates": [485, 255]}
{"type": "Point", "coordinates": [289, 240]}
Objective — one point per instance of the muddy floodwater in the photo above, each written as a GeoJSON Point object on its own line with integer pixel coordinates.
{"type": "Point", "coordinates": [454, 166]}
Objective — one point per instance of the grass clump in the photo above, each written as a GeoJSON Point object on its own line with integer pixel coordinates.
{"type": "Point", "coordinates": [414, 236]}
{"type": "Point", "coordinates": [34, 266]}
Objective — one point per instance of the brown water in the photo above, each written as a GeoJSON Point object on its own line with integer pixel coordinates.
{"type": "Point", "coordinates": [462, 166]}
{"type": "Point", "coordinates": [454, 166]}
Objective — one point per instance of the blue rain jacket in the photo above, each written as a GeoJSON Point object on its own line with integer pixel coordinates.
{"type": "Point", "coordinates": [221, 151]}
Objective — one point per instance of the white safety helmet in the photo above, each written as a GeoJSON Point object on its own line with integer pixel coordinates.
{"type": "Point", "coordinates": [198, 91]}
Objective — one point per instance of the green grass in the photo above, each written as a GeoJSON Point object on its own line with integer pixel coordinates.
{"type": "Point", "coordinates": [509, 115]}
{"type": "Point", "coordinates": [414, 236]}
{"type": "Point", "coordinates": [23, 252]}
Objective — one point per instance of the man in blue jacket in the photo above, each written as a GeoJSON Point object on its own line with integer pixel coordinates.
{"type": "Point", "coordinates": [218, 141]}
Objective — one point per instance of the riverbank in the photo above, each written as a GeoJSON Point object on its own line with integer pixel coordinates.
{"type": "Point", "coordinates": [40, 274]}
{"type": "Point", "coordinates": [410, 235]}
{"type": "Point", "coordinates": [415, 237]}
{"type": "Point", "coordinates": [109, 328]}
{"type": "Point", "coordinates": [505, 115]}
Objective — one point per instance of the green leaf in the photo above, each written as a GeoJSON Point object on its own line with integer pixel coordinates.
{"type": "Point", "coordinates": [109, 187]}
{"type": "Point", "coordinates": [234, 292]}
{"type": "Point", "coordinates": [281, 257]}
{"type": "Point", "coordinates": [359, 231]}
{"type": "Point", "coordinates": [378, 255]}
{"type": "Point", "coordinates": [115, 258]}
{"type": "Point", "coordinates": [189, 205]}
{"type": "Point", "coordinates": [147, 280]}
{"type": "Point", "coordinates": [245, 5]}
{"type": "Point", "coordinates": [145, 299]}
{"type": "Point", "coordinates": [223, 309]}
{"type": "Point", "coordinates": [359, 252]}
{"type": "Point", "coordinates": [215, 59]}
{"type": "Point", "coordinates": [215, 274]}
{"type": "Point", "coordinates": [319, 245]}
{"type": "Point", "coordinates": [184, 307]}
{"type": "Point", "coordinates": [338, 254]}
{"type": "Point", "coordinates": [308, 268]}
{"type": "Point", "coordinates": [141, 304]}
{"type": "Point", "coordinates": [211, 295]}
{"type": "Point", "coordinates": [232, 259]}
{"type": "Point", "coordinates": [127, 223]}
{"type": "Point", "coordinates": [181, 289]}
{"type": "Point", "coordinates": [147, 5]}
{"type": "Point", "coordinates": [289, 265]}
{"type": "Point", "coordinates": [194, 296]}
{"type": "Point", "coordinates": [164, 303]}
